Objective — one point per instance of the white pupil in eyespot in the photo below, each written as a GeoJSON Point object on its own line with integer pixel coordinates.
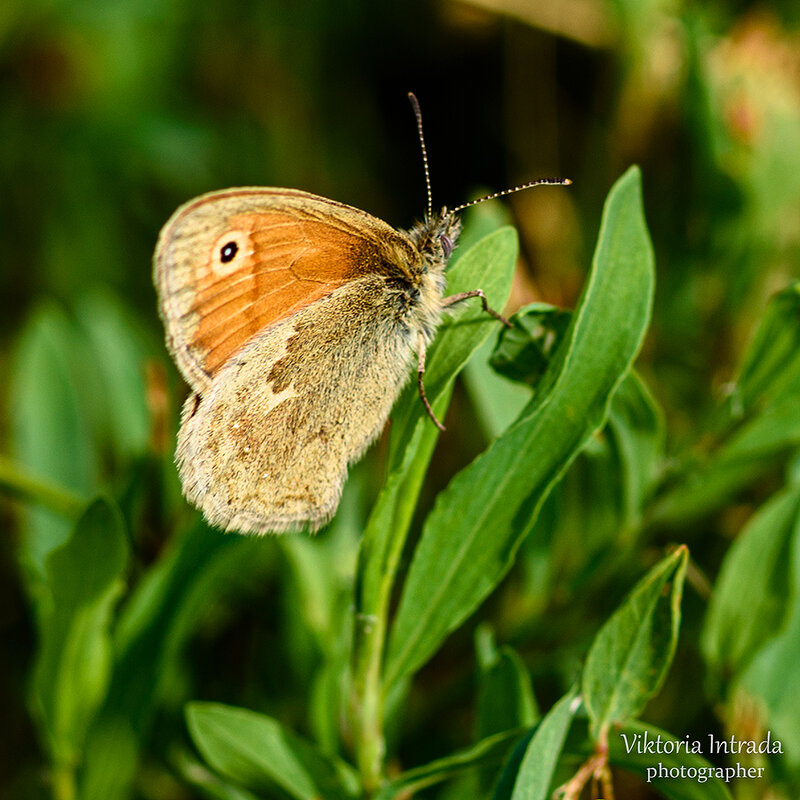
{"type": "Point", "coordinates": [228, 252]}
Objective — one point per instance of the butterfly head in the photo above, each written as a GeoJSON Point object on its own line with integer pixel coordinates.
{"type": "Point", "coordinates": [435, 238]}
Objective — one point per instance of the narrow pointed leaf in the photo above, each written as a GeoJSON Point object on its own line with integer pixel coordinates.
{"type": "Point", "coordinates": [470, 538]}
{"type": "Point", "coordinates": [541, 757]}
{"type": "Point", "coordinates": [630, 656]}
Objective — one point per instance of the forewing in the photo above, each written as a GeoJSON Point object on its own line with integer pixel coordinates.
{"type": "Point", "coordinates": [231, 264]}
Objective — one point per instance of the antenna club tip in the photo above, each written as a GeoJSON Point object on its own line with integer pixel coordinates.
{"type": "Point", "coordinates": [567, 182]}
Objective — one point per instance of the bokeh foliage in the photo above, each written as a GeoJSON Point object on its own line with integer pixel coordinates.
{"type": "Point", "coordinates": [120, 606]}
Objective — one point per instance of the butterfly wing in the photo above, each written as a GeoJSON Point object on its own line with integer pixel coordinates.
{"type": "Point", "coordinates": [284, 312]}
{"type": "Point", "coordinates": [268, 446]}
{"type": "Point", "coordinates": [230, 264]}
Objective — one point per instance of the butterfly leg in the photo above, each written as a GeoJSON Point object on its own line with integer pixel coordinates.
{"type": "Point", "coordinates": [457, 298]}
{"type": "Point", "coordinates": [421, 346]}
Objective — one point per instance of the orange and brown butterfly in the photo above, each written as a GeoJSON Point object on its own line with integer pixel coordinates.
{"type": "Point", "coordinates": [294, 319]}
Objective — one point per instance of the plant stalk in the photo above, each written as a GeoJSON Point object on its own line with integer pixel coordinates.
{"type": "Point", "coordinates": [382, 549]}
{"type": "Point", "coordinates": [64, 787]}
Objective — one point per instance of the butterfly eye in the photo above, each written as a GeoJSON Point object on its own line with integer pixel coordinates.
{"type": "Point", "coordinates": [447, 245]}
{"type": "Point", "coordinates": [228, 252]}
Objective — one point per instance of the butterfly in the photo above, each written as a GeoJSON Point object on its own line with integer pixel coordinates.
{"type": "Point", "coordinates": [295, 320]}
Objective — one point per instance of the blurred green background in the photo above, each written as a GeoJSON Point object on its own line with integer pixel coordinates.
{"type": "Point", "coordinates": [114, 113]}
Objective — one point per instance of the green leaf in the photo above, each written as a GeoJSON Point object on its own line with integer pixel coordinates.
{"type": "Point", "coordinates": [649, 765]}
{"type": "Point", "coordinates": [630, 656]}
{"type": "Point", "coordinates": [488, 752]}
{"type": "Point", "coordinates": [208, 783]}
{"type": "Point", "coordinates": [166, 608]}
{"type": "Point", "coordinates": [497, 401]}
{"type": "Point", "coordinates": [748, 605]}
{"type": "Point", "coordinates": [50, 431]}
{"type": "Point", "coordinates": [588, 522]}
{"type": "Point", "coordinates": [501, 376]}
{"type": "Point", "coordinates": [74, 660]}
{"type": "Point", "coordinates": [602, 497]}
{"type": "Point", "coordinates": [772, 676]}
{"type": "Point", "coordinates": [258, 752]}
{"type": "Point", "coordinates": [636, 424]}
{"type": "Point", "coordinates": [505, 694]}
{"type": "Point", "coordinates": [541, 756]}
{"type": "Point", "coordinates": [119, 357]}
{"type": "Point", "coordinates": [771, 366]}
{"type": "Point", "coordinates": [776, 429]}
{"type": "Point", "coordinates": [470, 538]}
{"type": "Point", "coordinates": [524, 351]}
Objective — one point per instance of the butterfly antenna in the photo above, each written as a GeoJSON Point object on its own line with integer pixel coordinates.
{"type": "Point", "coordinates": [540, 182]}
{"type": "Point", "coordinates": [418, 114]}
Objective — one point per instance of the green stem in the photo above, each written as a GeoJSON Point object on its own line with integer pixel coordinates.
{"type": "Point", "coordinates": [371, 627]}
{"type": "Point", "coordinates": [381, 551]}
{"type": "Point", "coordinates": [370, 741]}
{"type": "Point", "coordinates": [32, 489]}
{"type": "Point", "coordinates": [64, 787]}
